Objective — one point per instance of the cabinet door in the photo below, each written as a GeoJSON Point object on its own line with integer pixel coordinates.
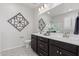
{"type": "Point", "coordinates": [53, 50]}
{"type": "Point", "coordinates": [34, 43]}
{"type": "Point", "coordinates": [66, 46]}
{"type": "Point", "coordinates": [43, 46]}
{"type": "Point", "coordinates": [66, 53]}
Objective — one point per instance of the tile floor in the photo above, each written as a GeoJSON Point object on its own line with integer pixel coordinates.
{"type": "Point", "coordinates": [21, 51]}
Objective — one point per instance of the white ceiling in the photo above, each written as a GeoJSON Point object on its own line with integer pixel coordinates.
{"type": "Point", "coordinates": [34, 5]}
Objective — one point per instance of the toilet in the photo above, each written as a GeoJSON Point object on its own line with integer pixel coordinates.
{"type": "Point", "coordinates": [27, 43]}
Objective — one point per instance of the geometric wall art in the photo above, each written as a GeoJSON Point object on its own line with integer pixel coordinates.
{"type": "Point", "coordinates": [41, 24]}
{"type": "Point", "coordinates": [18, 21]}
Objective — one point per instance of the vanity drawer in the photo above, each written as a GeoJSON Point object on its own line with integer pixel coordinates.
{"type": "Point", "coordinates": [33, 37]}
{"type": "Point", "coordinates": [66, 46]}
{"type": "Point", "coordinates": [43, 39]}
{"type": "Point", "coordinates": [42, 53]}
{"type": "Point", "coordinates": [43, 45]}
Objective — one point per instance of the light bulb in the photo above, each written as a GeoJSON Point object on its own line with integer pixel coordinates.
{"type": "Point", "coordinates": [39, 9]}
{"type": "Point", "coordinates": [45, 5]}
{"type": "Point", "coordinates": [42, 7]}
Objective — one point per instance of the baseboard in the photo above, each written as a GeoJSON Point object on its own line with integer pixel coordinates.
{"type": "Point", "coordinates": [12, 48]}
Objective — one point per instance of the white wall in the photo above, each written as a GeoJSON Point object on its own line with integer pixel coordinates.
{"type": "Point", "coordinates": [35, 22]}
{"type": "Point", "coordinates": [0, 44]}
{"type": "Point", "coordinates": [9, 36]}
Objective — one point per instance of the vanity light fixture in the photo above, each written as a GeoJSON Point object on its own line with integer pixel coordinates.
{"type": "Point", "coordinates": [42, 7]}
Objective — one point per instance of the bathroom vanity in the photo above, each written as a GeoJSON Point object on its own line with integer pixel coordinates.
{"type": "Point", "coordinates": [54, 45]}
{"type": "Point", "coordinates": [59, 22]}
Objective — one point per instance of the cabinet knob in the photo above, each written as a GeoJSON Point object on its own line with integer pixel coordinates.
{"type": "Point", "coordinates": [57, 51]}
{"type": "Point", "coordinates": [60, 53]}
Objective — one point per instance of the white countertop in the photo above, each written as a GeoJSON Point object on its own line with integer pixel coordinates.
{"type": "Point", "coordinates": [73, 39]}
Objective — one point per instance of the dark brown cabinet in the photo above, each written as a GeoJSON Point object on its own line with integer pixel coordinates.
{"type": "Point", "coordinates": [61, 48]}
{"type": "Point", "coordinates": [50, 47]}
{"type": "Point", "coordinates": [63, 45]}
{"type": "Point", "coordinates": [53, 50]}
{"type": "Point", "coordinates": [42, 52]}
{"type": "Point", "coordinates": [42, 46]}
{"type": "Point", "coordinates": [34, 42]}
{"type": "Point", "coordinates": [66, 53]}
{"type": "Point", "coordinates": [78, 51]}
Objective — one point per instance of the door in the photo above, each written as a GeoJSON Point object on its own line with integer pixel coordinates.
{"type": "Point", "coordinates": [66, 53]}
{"type": "Point", "coordinates": [53, 50]}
